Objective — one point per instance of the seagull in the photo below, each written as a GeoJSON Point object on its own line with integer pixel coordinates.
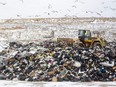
{"type": "Point", "coordinates": [103, 2]}
{"type": "Point", "coordinates": [49, 6]}
{"type": "Point", "coordinates": [74, 6]}
{"type": "Point", "coordinates": [37, 15]}
{"type": "Point", "coordinates": [113, 9]}
{"type": "Point", "coordinates": [79, 1]}
{"type": "Point", "coordinates": [68, 10]}
{"type": "Point", "coordinates": [55, 11]}
{"type": "Point", "coordinates": [48, 13]}
{"type": "Point", "coordinates": [101, 11]}
{"type": "Point", "coordinates": [22, 1]}
{"type": "Point", "coordinates": [89, 12]}
{"type": "Point", "coordinates": [98, 14]}
{"type": "Point", "coordinates": [18, 15]}
{"type": "Point", "coordinates": [2, 3]}
{"type": "Point", "coordinates": [76, 0]}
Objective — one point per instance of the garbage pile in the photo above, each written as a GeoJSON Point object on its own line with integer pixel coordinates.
{"type": "Point", "coordinates": [49, 62]}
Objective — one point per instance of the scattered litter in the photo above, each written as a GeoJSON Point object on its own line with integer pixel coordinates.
{"type": "Point", "coordinates": [55, 62]}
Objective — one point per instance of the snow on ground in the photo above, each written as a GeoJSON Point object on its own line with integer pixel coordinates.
{"type": "Point", "coordinates": [38, 30]}
{"type": "Point", "coordinates": [56, 84]}
{"type": "Point", "coordinates": [56, 8]}
{"type": "Point", "coordinates": [3, 45]}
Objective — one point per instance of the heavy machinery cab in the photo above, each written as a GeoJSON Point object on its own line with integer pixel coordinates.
{"type": "Point", "coordinates": [84, 35]}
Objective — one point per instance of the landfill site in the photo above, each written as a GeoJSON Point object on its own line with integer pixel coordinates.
{"type": "Point", "coordinates": [30, 51]}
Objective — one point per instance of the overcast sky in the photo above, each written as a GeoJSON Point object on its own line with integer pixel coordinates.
{"type": "Point", "coordinates": [57, 8]}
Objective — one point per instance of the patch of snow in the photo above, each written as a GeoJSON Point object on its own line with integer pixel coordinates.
{"type": "Point", "coordinates": [3, 45]}
{"type": "Point", "coordinates": [56, 84]}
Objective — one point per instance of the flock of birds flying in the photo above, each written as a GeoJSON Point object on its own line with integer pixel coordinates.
{"type": "Point", "coordinates": [74, 7]}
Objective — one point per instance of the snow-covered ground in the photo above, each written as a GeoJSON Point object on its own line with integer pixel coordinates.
{"type": "Point", "coordinates": [56, 84]}
{"type": "Point", "coordinates": [35, 29]}
{"type": "Point", "coordinates": [38, 29]}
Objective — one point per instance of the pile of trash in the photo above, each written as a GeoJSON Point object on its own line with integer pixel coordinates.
{"type": "Point", "coordinates": [50, 61]}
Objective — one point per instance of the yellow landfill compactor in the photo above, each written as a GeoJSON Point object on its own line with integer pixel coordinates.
{"type": "Point", "coordinates": [85, 39]}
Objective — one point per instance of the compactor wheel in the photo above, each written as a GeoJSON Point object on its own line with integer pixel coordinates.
{"type": "Point", "coordinates": [97, 45]}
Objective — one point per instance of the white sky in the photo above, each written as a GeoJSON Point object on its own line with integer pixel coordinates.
{"type": "Point", "coordinates": [57, 8]}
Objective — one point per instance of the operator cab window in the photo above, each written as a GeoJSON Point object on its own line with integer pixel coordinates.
{"type": "Point", "coordinates": [84, 33]}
